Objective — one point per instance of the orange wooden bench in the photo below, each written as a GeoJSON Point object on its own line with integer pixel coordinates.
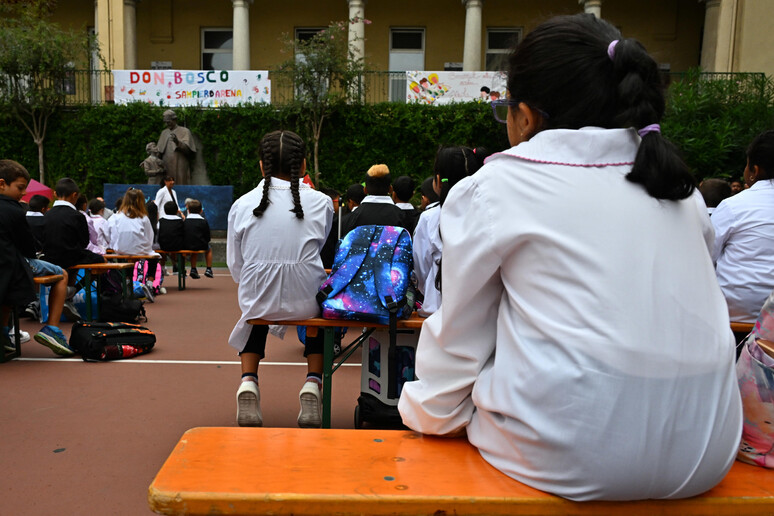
{"type": "Point", "coordinates": [742, 327]}
{"type": "Point", "coordinates": [329, 327]}
{"type": "Point", "coordinates": [298, 471]}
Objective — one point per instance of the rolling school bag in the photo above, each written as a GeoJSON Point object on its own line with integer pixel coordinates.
{"type": "Point", "coordinates": [371, 281]}
{"type": "Point", "coordinates": [110, 341]}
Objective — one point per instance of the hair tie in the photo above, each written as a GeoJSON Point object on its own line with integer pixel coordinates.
{"type": "Point", "coordinates": [611, 49]}
{"type": "Point", "coordinates": [652, 128]}
{"type": "Point", "coordinates": [445, 180]}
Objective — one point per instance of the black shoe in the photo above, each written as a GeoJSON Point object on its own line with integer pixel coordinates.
{"type": "Point", "coordinates": [194, 274]}
{"type": "Point", "coordinates": [174, 269]}
{"type": "Point", "coordinates": [208, 272]}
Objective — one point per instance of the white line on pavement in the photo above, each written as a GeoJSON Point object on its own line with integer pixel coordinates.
{"type": "Point", "coordinates": [187, 362]}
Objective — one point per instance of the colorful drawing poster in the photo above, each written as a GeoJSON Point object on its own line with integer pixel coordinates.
{"type": "Point", "coordinates": [423, 87]}
{"type": "Point", "coordinates": [206, 88]}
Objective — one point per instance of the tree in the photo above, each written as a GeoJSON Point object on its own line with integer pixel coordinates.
{"type": "Point", "coordinates": [36, 63]}
{"type": "Point", "coordinates": [325, 72]}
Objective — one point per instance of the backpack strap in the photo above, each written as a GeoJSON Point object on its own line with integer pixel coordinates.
{"type": "Point", "coordinates": [392, 242]}
{"type": "Point", "coordinates": [350, 256]}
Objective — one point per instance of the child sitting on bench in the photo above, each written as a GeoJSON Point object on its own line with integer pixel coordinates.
{"type": "Point", "coordinates": [275, 233]}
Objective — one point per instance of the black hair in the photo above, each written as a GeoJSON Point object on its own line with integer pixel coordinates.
{"type": "Point", "coordinates": [164, 179]}
{"type": "Point", "coordinates": [404, 188]}
{"type": "Point", "coordinates": [170, 207]}
{"type": "Point", "coordinates": [760, 153]}
{"type": "Point", "coordinates": [66, 187]}
{"type": "Point", "coordinates": [330, 192]}
{"type": "Point", "coordinates": [82, 203]}
{"type": "Point", "coordinates": [153, 216]}
{"type": "Point", "coordinates": [282, 153]}
{"type": "Point", "coordinates": [38, 202]}
{"type": "Point", "coordinates": [378, 180]}
{"type": "Point", "coordinates": [11, 170]}
{"type": "Point", "coordinates": [453, 164]}
{"type": "Point", "coordinates": [427, 190]}
{"type": "Point", "coordinates": [355, 193]}
{"type": "Point", "coordinates": [118, 204]}
{"type": "Point", "coordinates": [563, 69]}
{"type": "Point", "coordinates": [714, 190]}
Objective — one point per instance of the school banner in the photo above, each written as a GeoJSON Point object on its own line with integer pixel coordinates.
{"type": "Point", "coordinates": [206, 88]}
{"type": "Point", "coordinates": [424, 87]}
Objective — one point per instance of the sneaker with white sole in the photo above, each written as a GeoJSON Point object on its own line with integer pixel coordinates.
{"type": "Point", "coordinates": [162, 290]}
{"type": "Point", "coordinates": [148, 291]}
{"type": "Point", "coordinates": [249, 405]}
{"type": "Point", "coordinates": [53, 338]}
{"type": "Point", "coordinates": [23, 335]}
{"type": "Point", "coordinates": [311, 406]}
{"type": "Point", "coordinates": [70, 312]}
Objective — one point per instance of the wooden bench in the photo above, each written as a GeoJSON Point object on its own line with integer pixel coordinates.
{"type": "Point", "coordinates": [130, 257]}
{"type": "Point", "coordinates": [742, 327]}
{"type": "Point", "coordinates": [98, 269]}
{"type": "Point", "coordinates": [298, 471]}
{"type": "Point", "coordinates": [6, 355]}
{"type": "Point", "coordinates": [329, 328]}
{"type": "Point", "coordinates": [181, 256]}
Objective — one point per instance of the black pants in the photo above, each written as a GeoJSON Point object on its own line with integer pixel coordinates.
{"type": "Point", "coordinates": [256, 342]}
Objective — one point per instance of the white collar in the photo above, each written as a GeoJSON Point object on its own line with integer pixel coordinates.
{"type": "Point", "coordinates": [281, 184]}
{"type": "Point", "coordinates": [763, 184]}
{"type": "Point", "coordinates": [404, 205]}
{"type": "Point", "coordinates": [34, 214]}
{"type": "Point", "coordinates": [378, 199]}
{"type": "Point", "coordinates": [194, 216]}
{"type": "Point", "coordinates": [585, 147]}
{"type": "Point", "coordinates": [170, 217]}
{"type": "Point", "coordinates": [432, 205]}
{"type": "Point", "coordinates": [60, 202]}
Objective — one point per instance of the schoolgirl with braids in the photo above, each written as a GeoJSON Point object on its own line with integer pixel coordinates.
{"type": "Point", "coordinates": [452, 164]}
{"type": "Point", "coordinates": [275, 233]}
{"type": "Point", "coordinates": [582, 344]}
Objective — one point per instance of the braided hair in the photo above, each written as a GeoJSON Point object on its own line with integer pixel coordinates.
{"type": "Point", "coordinates": [580, 72]}
{"type": "Point", "coordinates": [282, 154]}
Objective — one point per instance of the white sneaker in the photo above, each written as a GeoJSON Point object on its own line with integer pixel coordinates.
{"type": "Point", "coordinates": [23, 335]}
{"type": "Point", "coordinates": [249, 405]}
{"type": "Point", "coordinates": [162, 290]}
{"type": "Point", "coordinates": [311, 406]}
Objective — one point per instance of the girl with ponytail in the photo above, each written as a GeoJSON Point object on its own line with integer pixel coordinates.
{"type": "Point", "coordinates": [582, 344]}
{"type": "Point", "coordinates": [275, 233]}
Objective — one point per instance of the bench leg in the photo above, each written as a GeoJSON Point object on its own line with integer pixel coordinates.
{"type": "Point", "coordinates": [87, 292]}
{"type": "Point", "coordinates": [180, 272]}
{"type": "Point", "coordinates": [5, 356]}
{"type": "Point", "coordinates": [327, 375]}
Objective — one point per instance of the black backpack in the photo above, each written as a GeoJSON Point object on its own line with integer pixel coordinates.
{"type": "Point", "coordinates": [114, 308]}
{"type": "Point", "coordinates": [110, 341]}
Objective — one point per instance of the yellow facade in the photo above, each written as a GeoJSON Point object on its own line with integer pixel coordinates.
{"type": "Point", "coordinates": [171, 30]}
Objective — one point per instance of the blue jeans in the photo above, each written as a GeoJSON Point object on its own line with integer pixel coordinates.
{"type": "Point", "coordinates": [43, 268]}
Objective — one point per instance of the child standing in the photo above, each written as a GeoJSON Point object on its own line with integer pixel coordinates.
{"type": "Point", "coordinates": [275, 234]}
{"type": "Point", "coordinates": [197, 236]}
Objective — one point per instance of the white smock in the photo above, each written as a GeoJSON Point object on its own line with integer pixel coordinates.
{"type": "Point", "coordinates": [276, 258]}
{"type": "Point", "coordinates": [427, 248]}
{"type": "Point", "coordinates": [744, 249]}
{"type": "Point", "coordinates": [163, 196]}
{"type": "Point", "coordinates": [583, 341]}
{"type": "Point", "coordinates": [130, 236]}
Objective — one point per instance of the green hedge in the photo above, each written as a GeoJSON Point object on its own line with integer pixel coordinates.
{"type": "Point", "coordinates": [712, 121]}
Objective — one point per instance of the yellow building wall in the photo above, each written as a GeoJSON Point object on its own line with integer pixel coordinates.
{"type": "Point", "coordinates": [754, 43]}
{"type": "Point", "coordinates": [170, 30]}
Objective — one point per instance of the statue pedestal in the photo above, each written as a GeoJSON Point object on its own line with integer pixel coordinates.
{"type": "Point", "coordinates": [216, 200]}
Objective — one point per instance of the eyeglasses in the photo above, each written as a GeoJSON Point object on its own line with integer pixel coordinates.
{"type": "Point", "coordinates": [500, 109]}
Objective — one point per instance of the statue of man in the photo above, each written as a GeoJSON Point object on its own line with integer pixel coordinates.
{"type": "Point", "coordinates": [177, 147]}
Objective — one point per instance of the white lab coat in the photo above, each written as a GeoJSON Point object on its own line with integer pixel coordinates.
{"type": "Point", "coordinates": [744, 249]}
{"type": "Point", "coordinates": [130, 236]}
{"type": "Point", "coordinates": [163, 196]}
{"type": "Point", "coordinates": [583, 340]}
{"type": "Point", "coordinates": [276, 258]}
{"type": "Point", "coordinates": [427, 251]}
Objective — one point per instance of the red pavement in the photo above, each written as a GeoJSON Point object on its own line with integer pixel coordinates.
{"type": "Point", "coordinates": [87, 438]}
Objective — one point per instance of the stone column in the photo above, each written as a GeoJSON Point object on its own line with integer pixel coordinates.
{"type": "Point", "coordinates": [717, 51]}
{"type": "Point", "coordinates": [592, 7]}
{"type": "Point", "coordinates": [471, 54]}
{"type": "Point", "coordinates": [241, 55]}
{"type": "Point", "coordinates": [130, 34]}
{"type": "Point", "coordinates": [356, 34]}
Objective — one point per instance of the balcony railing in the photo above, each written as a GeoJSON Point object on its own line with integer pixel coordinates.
{"type": "Point", "coordinates": [96, 87]}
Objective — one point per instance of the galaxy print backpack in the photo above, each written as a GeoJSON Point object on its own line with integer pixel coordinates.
{"type": "Point", "coordinates": [370, 277]}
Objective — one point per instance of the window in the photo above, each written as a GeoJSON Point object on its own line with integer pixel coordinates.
{"type": "Point", "coordinates": [498, 43]}
{"type": "Point", "coordinates": [217, 49]}
{"type": "Point", "coordinates": [307, 33]}
{"type": "Point", "coordinates": [407, 52]}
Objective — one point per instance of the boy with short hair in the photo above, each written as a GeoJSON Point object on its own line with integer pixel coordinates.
{"type": "Point", "coordinates": [38, 206]}
{"type": "Point", "coordinates": [197, 236]}
{"type": "Point", "coordinates": [402, 192]}
{"type": "Point", "coordinates": [66, 230]}
{"type": "Point", "coordinates": [18, 263]}
{"type": "Point", "coordinates": [377, 206]}
{"type": "Point", "coordinates": [171, 234]}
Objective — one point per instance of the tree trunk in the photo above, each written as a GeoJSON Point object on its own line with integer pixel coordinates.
{"type": "Point", "coordinates": [39, 142]}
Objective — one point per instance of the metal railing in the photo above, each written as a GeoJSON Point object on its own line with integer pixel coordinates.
{"type": "Point", "coordinates": [96, 87]}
